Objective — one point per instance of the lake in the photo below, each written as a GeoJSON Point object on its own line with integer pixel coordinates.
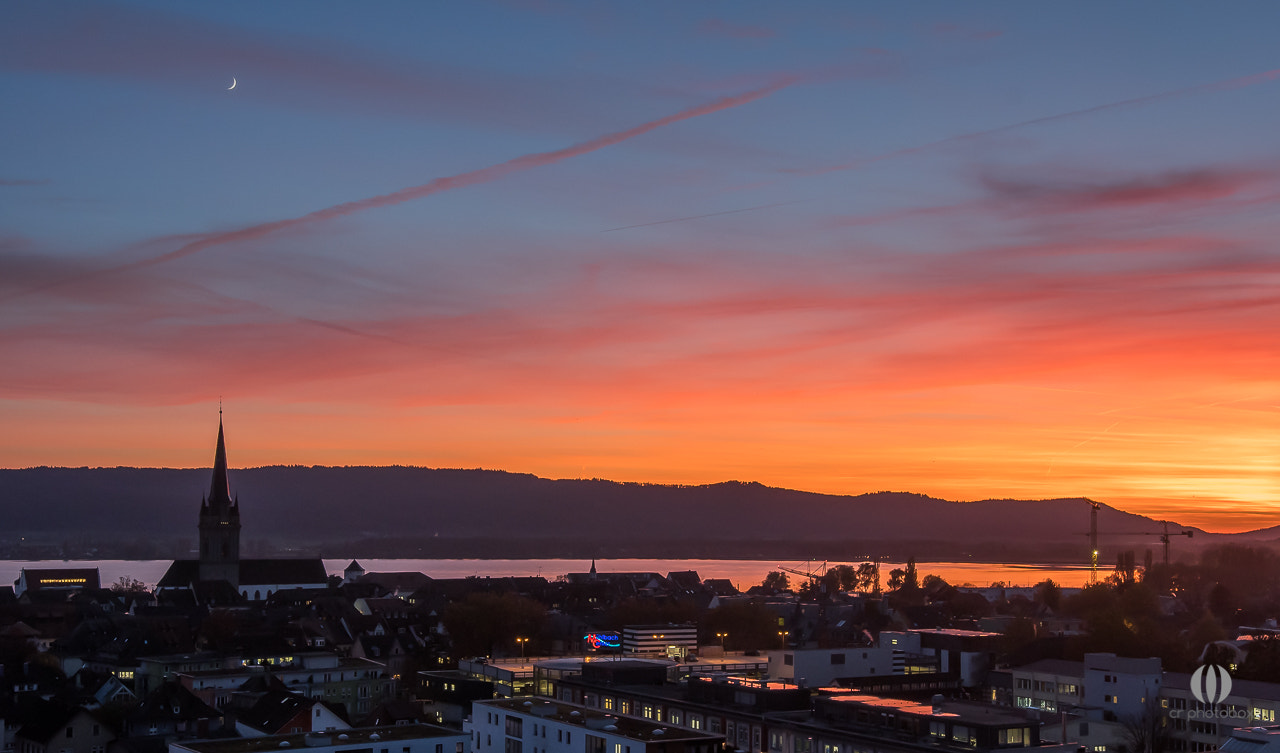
{"type": "Point", "coordinates": [743, 573]}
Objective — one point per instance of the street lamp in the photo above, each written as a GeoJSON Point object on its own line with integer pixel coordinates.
{"type": "Point", "coordinates": [782, 638]}
{"type": "Point", "coordinates": [522, 641]}
{"type": "Point", "coordinates": [722, 636]}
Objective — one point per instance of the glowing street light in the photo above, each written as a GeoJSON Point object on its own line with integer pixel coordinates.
{"type": "Point", "coordinates": [782, 638]}
{"type": "Point", "coordinates": [522, 641]}
{"type": "Point", "coordinates": [722, 636]}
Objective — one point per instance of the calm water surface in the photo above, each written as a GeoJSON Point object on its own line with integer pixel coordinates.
{"type": "Point", "coordinates": [743, 573]}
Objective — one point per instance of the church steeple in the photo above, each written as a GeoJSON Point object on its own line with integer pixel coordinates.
{"type": "Point", "coordinates": [220, 522]}
{"type": "Point", "coordinates": [220, 490]}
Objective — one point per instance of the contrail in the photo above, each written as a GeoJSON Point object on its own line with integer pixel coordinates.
{"type": "Point", "coordinates": [461, 180]}
{"type": "Point", "coordinates": [1234, 83]}
{"type": "Point", "coordinates": [700, 216]}
{"type": "Point", "coordinates": [448, 183]}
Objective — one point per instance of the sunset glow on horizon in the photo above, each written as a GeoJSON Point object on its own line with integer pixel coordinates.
{"type": "Point", "coordinates": [971, 252]}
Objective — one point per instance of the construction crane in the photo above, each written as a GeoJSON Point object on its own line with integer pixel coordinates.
{"type": "Point", "coordinates": [1093, 539]}
{"type": "Point", "coordinates": [813, 574]}
{"type": "Point", "coordinates": [1164, 538]}
{"type": "Point", "coordinates": [1093, 542]}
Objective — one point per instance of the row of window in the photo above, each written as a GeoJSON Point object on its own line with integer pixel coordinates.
{"type": "Point", "coordinates": [1048, 686]}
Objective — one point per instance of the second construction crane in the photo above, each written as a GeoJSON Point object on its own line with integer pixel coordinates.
{"type": "Point", "coordinates": [1093, 539]}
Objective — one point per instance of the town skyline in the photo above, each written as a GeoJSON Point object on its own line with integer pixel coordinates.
{"type": "Point", "coordinates": [971, 253]}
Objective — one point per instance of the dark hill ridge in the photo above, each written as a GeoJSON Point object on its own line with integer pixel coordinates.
{"type": "Point", "coordinates": [416, 510]}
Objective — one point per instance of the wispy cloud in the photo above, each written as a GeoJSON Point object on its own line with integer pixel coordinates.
{"type": "Point", "coordinates": [1048, 191]}
{"type": "Point", "coordinates": [758, 326]}
{"type": "Point", "coordinates": [1174, 187]}
{"type": "Point", "coordinates": [1224, 85]}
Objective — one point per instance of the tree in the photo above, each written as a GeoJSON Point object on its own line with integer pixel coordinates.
{"type": "Point", "coordinates": [127, 584]}
{"type": "Point", "coordinates": [645, 611]}
{"type": "Point", "coordinates": [776, 581]}
{"type": "Point", "coordinates": [963, 604]}
{"type": "Point", "coordinates": [1204, 631]}
{"type": "Point", "coordinates": [896, 577]}
{"type": "Point", "coordinates": [1148, 730]}
{"type": "Point", "coordinates": [1222, 602]}
{"type": "Point", "coordinates": [869, 577]}
{"type": "Point", "coordinates": [911, 578]}
{"type": "Point", "coordinates": [483, 622]}
{"type": "Point", "coordinates": [935, 584]}
{"type": "Point", "coordinates": [1018, 634]}
{"type": "Point", "coordinates": [1125, 569]}
{"type": "Point", "coordinates": [843, 577]}
{"type": "Point", "coordinates": [1049, 594]}
{"type": "Point", "coordinates": [749, 626]}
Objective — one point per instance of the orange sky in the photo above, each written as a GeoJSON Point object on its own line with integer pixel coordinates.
{"type": "Point", "coordinates": [816, 250]}
{"type": "Point", "coordinates": [1018, 385]}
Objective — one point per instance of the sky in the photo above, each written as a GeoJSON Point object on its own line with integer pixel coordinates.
{"type": "Point", "coordinates": [967, 250]}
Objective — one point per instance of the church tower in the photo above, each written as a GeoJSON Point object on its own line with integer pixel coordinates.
{"type": "Point", "coordinates": [220, 523]}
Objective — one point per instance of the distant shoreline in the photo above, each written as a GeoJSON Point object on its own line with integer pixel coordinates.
{"type": "Point", "coordinates": [743, 572]}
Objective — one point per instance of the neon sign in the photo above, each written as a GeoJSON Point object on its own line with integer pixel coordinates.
{"type": "Point", "coordinates": [602, 640]}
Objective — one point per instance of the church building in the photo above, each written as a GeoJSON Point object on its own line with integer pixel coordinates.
{"type": "Point", "coordinates": [220, 570]}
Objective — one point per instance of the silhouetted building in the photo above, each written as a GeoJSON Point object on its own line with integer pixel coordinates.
{"type": "Point", "coordinates": [220, 523]}
{"type": "Point", "coordinates": [220, 561]}
{"type": "Point", "coordinates": [56, 579]}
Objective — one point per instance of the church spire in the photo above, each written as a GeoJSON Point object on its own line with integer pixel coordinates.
{"type": "Point", "coordinates": [220, 523]}
{"type": "Point", "coordinates": [220, 491]}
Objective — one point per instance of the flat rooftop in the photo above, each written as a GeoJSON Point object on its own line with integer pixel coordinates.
{"type": "Point", "coordinates": [977, 713]}
{"type": "Point", "coordinates": [623, 660]}
{"type": "Point", "coordinates": [954, 632]}
{"type": "Point", "coordinates": [344, 738]}
{"type": "Point", "coordinates": [728, 660]}
{"type": "Point", "coordinates": [641, 730]}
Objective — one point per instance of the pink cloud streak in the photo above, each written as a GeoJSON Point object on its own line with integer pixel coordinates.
{"type": "Point", "coordinates": [1167, 188]}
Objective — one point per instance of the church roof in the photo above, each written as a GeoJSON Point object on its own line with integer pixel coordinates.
{"type": "Point", "coordinates": [220, 489]}
{"type": "Point", "coordinates": [282, 571]}
{"type": "Point", "coordinates": [257, 572]}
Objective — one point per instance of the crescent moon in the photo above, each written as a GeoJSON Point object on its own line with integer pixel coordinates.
{"type": "Point", "coordinates": [233, 84]}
